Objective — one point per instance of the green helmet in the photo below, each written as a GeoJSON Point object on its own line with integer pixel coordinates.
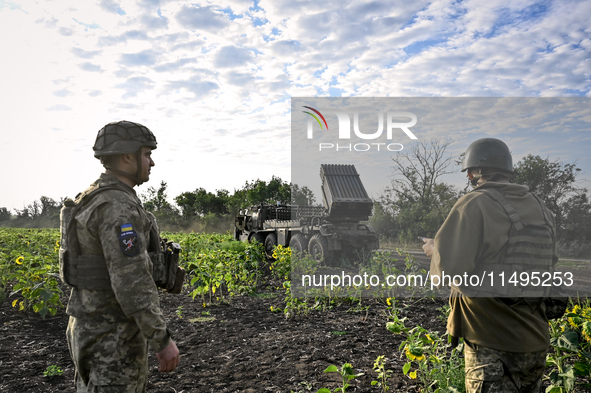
{"type": "Point", "coordinates": [122, 137]}
{"type": "Point", "coordinates": [488, 153]}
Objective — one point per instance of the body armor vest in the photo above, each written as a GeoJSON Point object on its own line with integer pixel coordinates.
{"type": "Point", "coordinates": [90, 271]}
{"type": "Point", "coordinates": [530, 249]}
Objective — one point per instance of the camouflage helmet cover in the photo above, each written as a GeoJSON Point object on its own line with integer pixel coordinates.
{"type": "Point", "coordinates": [488, 153]}
{"type": "Point", "coordinates": [122, 137]}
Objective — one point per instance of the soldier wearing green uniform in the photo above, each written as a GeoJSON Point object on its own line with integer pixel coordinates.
{"type": "Point", "coordinates": [114, 305]}
{"type": "Point", "coordinates": [506, 336]}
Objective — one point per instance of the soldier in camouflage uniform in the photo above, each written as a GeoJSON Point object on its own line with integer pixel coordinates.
{"type": "Point", "coordinates": [506, 337]}
{"type": "Point", "coordinates": [114, 306]}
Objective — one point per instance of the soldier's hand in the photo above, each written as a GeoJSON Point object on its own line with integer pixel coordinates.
{"type": "Point", "coordinates": [169, 358]}
{"type": "Point", "coordinates": [428, 247]}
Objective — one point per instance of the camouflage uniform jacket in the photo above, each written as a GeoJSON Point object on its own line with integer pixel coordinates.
{"type": "Point", "coordinates": [133, 295]}
{"type": "Point", "coordinates": [474, 234]}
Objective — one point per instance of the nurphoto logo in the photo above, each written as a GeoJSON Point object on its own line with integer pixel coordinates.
{"type": "Point", "coordinates": [344, 129]}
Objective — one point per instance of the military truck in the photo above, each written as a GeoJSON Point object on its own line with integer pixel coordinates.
{"type": "Point", "coordinates": [339, 229]}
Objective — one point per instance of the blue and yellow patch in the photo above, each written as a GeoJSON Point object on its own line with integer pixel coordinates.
{"type": "Point", "coordinates": [126, 228]}
{"type": "Point", "coordinates": [128, 240]}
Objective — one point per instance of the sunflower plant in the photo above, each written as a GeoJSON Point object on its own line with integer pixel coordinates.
{"type": "Point", "coordinates": [438, 367]}
{"type": "Point", "coordinates": [570, 355]}
{"type": "Point", "coordinates": [29, 267]}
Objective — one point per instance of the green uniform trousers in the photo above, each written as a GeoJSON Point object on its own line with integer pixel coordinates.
{"type": "Point", "coordinates": [492, 371]}
{"type": "Point", "coordinates": [109, 357]}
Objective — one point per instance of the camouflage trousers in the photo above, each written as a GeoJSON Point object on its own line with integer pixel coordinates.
{"type": "Point", "coordinates": [492, 371]}
{"type": "Point", "coordinates": [109, 357]}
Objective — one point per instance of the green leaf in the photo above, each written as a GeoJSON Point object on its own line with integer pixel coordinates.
{"type": "Point", "coordinates": [45, 295]}
{"type": "Point", "coordinates": [569, 341]}
{"type": "Point", "coordinates": [568, 378]}
{"type": "Point", "coordinates": [331, 369]}
{"type": "Point", "coordinates": [581, 368]}
{"type": "Point", "coordinates": [54, 275]}
{"type": "Point", "coordinates": [350, 377]}
{"type": "Point", "coordinates": [323, 390]}
{"type": "Point", "coordinates": [396, 327]}
{"type": "Point", "coordinates": [374, 383]}
{"type": "Point", "coordinates": [406, 368]}
{"type": "Point", "coordinates": [38, 285]}
{"type": "Point", "coordinates": [17, 290]}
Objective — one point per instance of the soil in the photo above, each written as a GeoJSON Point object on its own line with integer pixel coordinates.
{"type": "Point", "coordinates": [239, 346]}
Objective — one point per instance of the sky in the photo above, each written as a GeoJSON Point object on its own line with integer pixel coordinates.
{"type": "Point", "coordinates": [214, 80]}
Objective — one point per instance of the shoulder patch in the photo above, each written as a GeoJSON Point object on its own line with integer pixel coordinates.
{"type": "Point", "coordinates": [128, 240]}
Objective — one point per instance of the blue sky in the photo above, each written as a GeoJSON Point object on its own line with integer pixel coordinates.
{"type": "Point", "coordinates": [213, 80]}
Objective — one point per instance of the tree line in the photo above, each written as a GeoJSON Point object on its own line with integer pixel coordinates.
{"type": "Point", "coordinates": [198, 210]}
{"type": "Point", "coordinates": [415, 204]}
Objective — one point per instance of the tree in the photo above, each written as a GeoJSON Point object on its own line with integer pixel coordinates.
{"type": "Point", "coordinates": [260, 191]}
{"type": "Point", "coordinates": [5, 215]}
{"type": "Point", "coordinates": [155, 201]}
{"type": "Point", "coordinates": [417, 199]}
{"type": "Point", "coordinates": [276, 190]}
{"type": "Point", "coordinates": [302, 196]}
{"type": "Point", "coordinates": [576, 228]}
{"type": "Point", "coordinates": [44, 213]}
{"type": "Point", "coordinates": [201, 202]}
{"type": "Point", "coordinates": [555, 183]}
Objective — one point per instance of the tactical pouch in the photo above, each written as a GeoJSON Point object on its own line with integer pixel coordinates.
{"type": "Point", "coordinates": [167, 273]}
{"type": "Point", "coordinates": [66, 268]}
{"type": "Point", "coordinates": [176, 274]}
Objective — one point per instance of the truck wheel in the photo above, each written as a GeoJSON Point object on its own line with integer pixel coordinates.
{"type": "Point", "coordinates": [297, 243]}
{"type": "Point", "coordinates": [270, 244]}
{"type": "Point", "coordinates": [256, 237]}
{"type": "Point", "coordinates": [318, 249]}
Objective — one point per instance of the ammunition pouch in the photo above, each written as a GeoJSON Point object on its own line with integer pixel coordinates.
{"type": "Point", "coordinates": [166, 271]}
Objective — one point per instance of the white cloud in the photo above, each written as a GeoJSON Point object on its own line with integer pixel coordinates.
{"type": "Point", "coordinates": [146, 57]}
{"type": "Point", "coordinates": [231, 56]}
{"type": "Point", "coordinates": [83, 54]}
{"type": "Point", "coordinates": [202, 18]}
{"type": "Point", "coordinates": [87, 66]}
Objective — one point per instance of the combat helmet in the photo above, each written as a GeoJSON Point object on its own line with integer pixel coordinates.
{"type": "Point", "coordinates": [122, 137]}
{"type": "Point", "coordinates": [488, 153]}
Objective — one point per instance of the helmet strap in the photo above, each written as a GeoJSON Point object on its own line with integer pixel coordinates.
{"type": "Point", "coordinates": [138, 157]}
